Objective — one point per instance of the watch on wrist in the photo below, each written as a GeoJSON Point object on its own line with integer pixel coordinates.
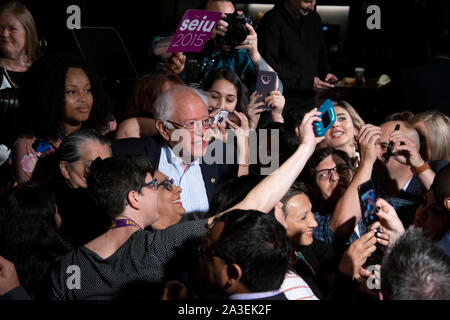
{"type": "Point", "coordinates": [417, 171]}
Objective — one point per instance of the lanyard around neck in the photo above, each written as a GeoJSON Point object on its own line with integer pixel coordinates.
{"type": "Point", "coordinates": [118, 223]}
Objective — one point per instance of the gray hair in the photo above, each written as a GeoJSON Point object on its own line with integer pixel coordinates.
{"type": "Point", "coordinates": [164, 104]}
{"type": "Point", "coordinates": [69, 150]}
{"type": "Point", "coordinates": [415, 269]}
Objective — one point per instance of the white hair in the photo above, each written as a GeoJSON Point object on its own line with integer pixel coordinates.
{"type": "Point", "coordinates": [164, 104]}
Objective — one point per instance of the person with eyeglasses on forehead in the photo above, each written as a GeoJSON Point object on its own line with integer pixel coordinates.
{"type": "Point", "coordinates": [182, 120]}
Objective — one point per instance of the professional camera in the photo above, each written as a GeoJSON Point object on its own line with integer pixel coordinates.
{"type": "Point", "coordinates": [8, 100]}
{"type": "Point", "coordinates": [236, 31]}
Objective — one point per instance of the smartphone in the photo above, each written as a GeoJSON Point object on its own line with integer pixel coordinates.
{"type": "Point", "coordinates": [388, 153]}
{"type": "Point", "coordinates": [266, 82]}
{"type": "Point", "coordinates": [221, 117]}
{"type": "Point", "coordinates": [328, 118]}
{"type": "Point", "coordinates": [367, 200]}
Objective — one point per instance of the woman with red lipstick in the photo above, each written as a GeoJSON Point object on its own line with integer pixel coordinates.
{"type": "Point", "coordinates": [60, 97]}
{"type": "Point", "coordinates": [342, 134]}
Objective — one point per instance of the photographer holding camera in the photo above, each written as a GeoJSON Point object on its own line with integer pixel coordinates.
{"type": "Point", "coordinates": [233, 45]}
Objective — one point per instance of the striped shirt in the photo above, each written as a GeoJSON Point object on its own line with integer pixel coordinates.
{"type": "Point", "coordinates": [295, 288]}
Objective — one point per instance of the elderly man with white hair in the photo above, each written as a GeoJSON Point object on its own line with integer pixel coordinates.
{"type": "Point", "coordinates": [182, 120]}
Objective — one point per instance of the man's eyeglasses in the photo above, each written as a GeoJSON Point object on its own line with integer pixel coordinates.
{"type": "Point", "coordinates": [190, 125]}
{"type": "Point", "coordinates": [325, 174]}
{"type": "Point", "coordinates": [166, 184]}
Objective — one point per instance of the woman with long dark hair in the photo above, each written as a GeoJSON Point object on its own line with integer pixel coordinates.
{"type": "Point", "coordinates": [62, 96]}
{"type": "Point", "coordinates": [29, 235]}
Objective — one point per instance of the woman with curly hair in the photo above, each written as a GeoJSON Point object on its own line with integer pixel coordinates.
{"type": "Point", "coordinates": [61, 96]}
{"type": "Point", "coordinates": [29, 235]}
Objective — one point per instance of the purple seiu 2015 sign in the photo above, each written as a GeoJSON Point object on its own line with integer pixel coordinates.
{"type": "Point", "coordinates": [194, 31]}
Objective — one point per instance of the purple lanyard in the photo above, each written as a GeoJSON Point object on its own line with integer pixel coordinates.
{"type": "Point", "coordinates": [124, 223]}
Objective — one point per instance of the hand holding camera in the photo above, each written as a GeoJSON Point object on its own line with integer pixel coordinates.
{"type": "Point", "coordinates": [232, 29]}
{"type": "Point", "coordinates": [250, 44]}
{"type": "Point", "coordinates": [221, 27]}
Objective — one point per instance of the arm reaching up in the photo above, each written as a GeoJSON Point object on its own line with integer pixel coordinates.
{"type": "Point", "coordinates": [270, 190]}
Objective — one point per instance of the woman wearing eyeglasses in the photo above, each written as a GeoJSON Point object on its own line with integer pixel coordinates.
{"type": "Point", "coordinates": [170, 207]}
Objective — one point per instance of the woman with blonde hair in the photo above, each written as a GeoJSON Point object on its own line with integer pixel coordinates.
{"type": "Point", "coordinates": [19, 49]}
{"type": "Point", "coordinates": [342, 134]}
{"type": "Point", "coordinates": [19, 44]}
{"type": "Point", "coordinates": [434, 132]}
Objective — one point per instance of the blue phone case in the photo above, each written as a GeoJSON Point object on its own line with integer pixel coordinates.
{"type": "Point", "coordinates": [327, 106]}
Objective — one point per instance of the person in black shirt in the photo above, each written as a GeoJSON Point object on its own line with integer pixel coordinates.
{"type": "Point", "coordinates": [290, 39]}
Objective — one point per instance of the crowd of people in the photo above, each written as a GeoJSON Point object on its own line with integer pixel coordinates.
{"type": "Point", "coordinates": [205, 191]}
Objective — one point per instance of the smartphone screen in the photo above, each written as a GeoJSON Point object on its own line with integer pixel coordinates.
{"type": "Point", "coordinates": [326, 119]}
{"type": "Point", "coordinates": [367, 200]}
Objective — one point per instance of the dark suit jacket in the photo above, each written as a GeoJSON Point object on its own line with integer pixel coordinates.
{"type": "Point", "coordinates": [151, 148]}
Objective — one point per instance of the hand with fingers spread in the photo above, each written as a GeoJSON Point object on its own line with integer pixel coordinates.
{"type": "Point", "coordinates": [175, 64]}
{"type": "Point", "coordinates": [367, 138]}
{"type": "Point", "coordinates": [253, 110]}
{"type": "Point", "coordinates": [405, 150]}
{"type": "Point", "coordinates": [305, 131]}
{"type": "Point", "coordinates": [389, 222]}
{"type": "Point", "coordinates": [8, 276]}
{"type": "Point", "coordinates": [251, 44]}
{"type": "Point", "coordinates": [276, 101]}
{"type": "Point", "coordinates": [356, 255]}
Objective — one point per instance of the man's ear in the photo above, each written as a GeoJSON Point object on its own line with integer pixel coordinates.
{"type": "Point", "coordinates": [233, 278]}
{"type": "Point", "coordinates": [447, 203]}
{"type": "Point", "coordinates": [63, 166]}
{"type": "Point", "coordinates": [133, 199]}
{"type": "Point", "coordinates": [162, 129]}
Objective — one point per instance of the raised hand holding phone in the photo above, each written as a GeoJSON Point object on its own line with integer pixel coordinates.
{"type": "Point", "coordinates": [265, 84]}
{"type": "Point", "coordinates": [328, 118]}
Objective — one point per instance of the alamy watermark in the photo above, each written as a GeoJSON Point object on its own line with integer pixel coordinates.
{"type": "Point", "coordinates": [74, 20]}
{"type": "Point", "coordinates": [373, 282]}
{"type": "Point", "coordinates": [262, 147]}
{"type": "Point", "coordinates": [374, 20]}
{"type": "Point", "coordinates": [74, 279]}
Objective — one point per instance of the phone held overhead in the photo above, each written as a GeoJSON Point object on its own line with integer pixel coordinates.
{"type": "Point", "coordinates": [328, 118]}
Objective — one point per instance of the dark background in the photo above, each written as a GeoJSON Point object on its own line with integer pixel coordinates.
{"type": "Point", "coordinates": [401, 42]}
